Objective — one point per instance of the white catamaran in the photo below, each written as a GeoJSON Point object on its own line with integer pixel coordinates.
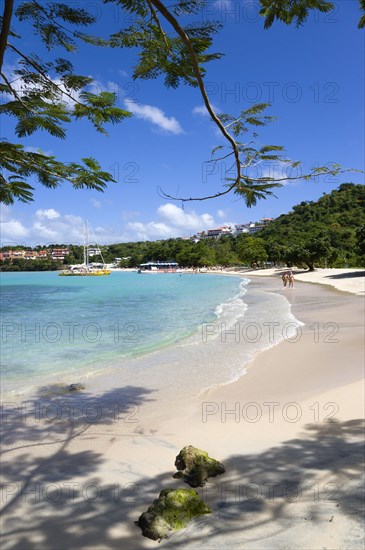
{"type": "Point", "coordinates": [85, 269]}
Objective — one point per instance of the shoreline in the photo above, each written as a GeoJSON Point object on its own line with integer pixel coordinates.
{"type": "Point", "coordinates": [135, 449]}
{"type": "Point", "coordinates": [350, 280]}
{"type": "Point", "coordinates": [344, 279]}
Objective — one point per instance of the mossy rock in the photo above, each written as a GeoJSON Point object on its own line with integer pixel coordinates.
{"type": "Point", "coordinates": [172, 511]}
{"type": "Point", "coordinates": [76, 387]}
{"type": "Point", "coordinates": [195, 466]}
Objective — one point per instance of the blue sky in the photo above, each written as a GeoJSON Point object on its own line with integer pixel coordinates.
{"type": "Point", "coordinates": [313, 76]}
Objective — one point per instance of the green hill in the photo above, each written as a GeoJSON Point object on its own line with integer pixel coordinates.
{"type": "Point", "coordinates": [328, 232]}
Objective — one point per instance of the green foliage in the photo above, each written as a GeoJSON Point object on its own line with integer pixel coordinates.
{"type": "Point", "coordinates": [288, 11]}
{"type": "Point", "coordinates": [327, 232]}
{"type": "Point", "coordinates": [44, 18]}
{"type": "Point", "coordinates": [75, 255]}
{"type": "Point", "coordinates": [52, 95]}
{"type": "Point", "coordinates": [361, 24]}
{"type": "Point", "coordinates": [160, 52]}
{"type": "Point", "coordinates": [251, 250]}
{"type": "Point", "coordinates": [21, 164]}
{"type": "Point", "coordinates": [297, 11]}
{"type": "Point", "coordinates": [20, 264]}
{"type": "Point", "coordinates": [99, 109]}
{"type": "Point", "coordinates": [360, 242]}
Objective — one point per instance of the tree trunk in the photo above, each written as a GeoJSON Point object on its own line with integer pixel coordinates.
{"type": "Point", "coordinates": [5, 29]}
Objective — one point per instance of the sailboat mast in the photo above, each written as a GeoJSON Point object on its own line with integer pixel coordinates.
{"type": "Point", "coordinates": [86, 259]}
{"type": "Point", "coordinates": [85, 269]}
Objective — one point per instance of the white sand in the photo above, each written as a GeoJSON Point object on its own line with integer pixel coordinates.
{"type": "Point", "coordinates": [348, 280]}
{"type": "Point", "coordinates": [292, 451]}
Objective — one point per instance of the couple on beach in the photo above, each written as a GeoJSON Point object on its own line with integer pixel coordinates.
{"type": "Point", "coordinates": [288, 277]}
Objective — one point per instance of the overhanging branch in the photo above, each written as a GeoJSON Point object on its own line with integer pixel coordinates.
{"type": "Point", "coordinates": [195, 65]}
{"type": "Point", "coordinates": [249, 181]}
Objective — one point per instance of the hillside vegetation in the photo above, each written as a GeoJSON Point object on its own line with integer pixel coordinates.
{"type": "Point", "coordinates": [327, 233]}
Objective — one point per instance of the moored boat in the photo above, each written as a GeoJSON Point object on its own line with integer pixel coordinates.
{"type": "Point", "coordinates": [86, 269]}
{"type": "Point", "coordinates": [159, 267]}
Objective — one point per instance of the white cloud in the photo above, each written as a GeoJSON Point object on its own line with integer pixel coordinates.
{"type": "Point", "coordinates": [49, 226]}
{"type": "Point", "coordinates": [48, 214]}
{"type": "Point", "coordinates": [129, 215]}
{"type": "Point", "coordinates": [138, 231]}
{"type": "Point", "coordinates": [154, 115]}
{"type": "Point", "coordinates": [12, 230]}
{"type": "Point", "coordinates": [20, 86]}
{"type": "Point", "coordinates": [188, 221]}
{"type": "Point", "coordinates": [44, 232]}
{"type": "Point", "coordinates": [278, 172]}
{"type": "Point", "coordinates": [202, 110]}
{"type": "Point", "coordinates": [75, 221]}
{"type": "Point", "coordinates": [221, 214]}
{"type": "Point", "coordinates": [171, 221]}
{"type": "Point", "coordinates": [53, 228]}
{"type": "Point", "coordinates": [68, 97]}
{"type": "Point", "coordinates": [95, 203]}
{"type": "Point", "coordinates": [5, 212]}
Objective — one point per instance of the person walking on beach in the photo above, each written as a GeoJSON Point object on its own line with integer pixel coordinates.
{"type": "Point", "coordinates": [291, 279]}
{"type": "Point", "coordinates": [285, 278]}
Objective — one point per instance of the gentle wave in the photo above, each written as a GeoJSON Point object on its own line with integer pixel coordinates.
{"type": "Point", "coordinates": [195, 332]}
{"type": "Point", "coordinates": [56, 327]}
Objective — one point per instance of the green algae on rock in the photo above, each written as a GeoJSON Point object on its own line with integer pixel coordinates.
{"type": "Point", "coordinates": [195, 466]}
{"type": "Point", "coordinates": [172, 511]}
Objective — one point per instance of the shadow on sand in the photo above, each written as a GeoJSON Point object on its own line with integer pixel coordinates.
{"type": "Point", "coordinates": [55, 498]}
{"type": "Point", "coordinates": [349, 275]}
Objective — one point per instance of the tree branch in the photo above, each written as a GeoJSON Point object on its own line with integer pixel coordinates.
{"type": "Point", "coordinates": [220, 158]}
{"type": "Point", "coordinates": [42, 73]}
{"type": "Point", "coordinates": [220, 194]}
{"type": "Point", "coordinates": [5, 29]}
{"type": "Point", "coordinates": [157, 21]}
{"type": "Point", "coordinates": [37, 167]}
{"type": "Point", "coordinates": [249, 180]}
{"type": "Point", "coordinates": [41, 8]}
{"type": "Point", "coordinates": [17, 97]}
{"type": "Point", "coordinates": [195, 65]}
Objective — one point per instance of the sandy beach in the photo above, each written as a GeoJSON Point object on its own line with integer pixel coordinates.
{"type": "Point", "coordinates": [289, 433]}
{"type": "Point", "coordinates": [347, 280]}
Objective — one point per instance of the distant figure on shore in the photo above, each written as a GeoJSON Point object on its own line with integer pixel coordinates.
{"type": "Point", "coordinates": [291, 279]}
{"type": "Point", "coordinates": [285, 278]}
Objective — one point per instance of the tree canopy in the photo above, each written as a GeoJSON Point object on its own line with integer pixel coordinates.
{"type": "Point", "coordinates": [52, 95]}
{"type": "Point", "coordinates": [328, 231]}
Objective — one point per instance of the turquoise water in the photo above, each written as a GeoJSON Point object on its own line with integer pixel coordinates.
{"type": "Point", "coordinates": [53, 325]}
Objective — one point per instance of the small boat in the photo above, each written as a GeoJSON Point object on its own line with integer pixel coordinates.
{"type": "Point", "coordinates": [159, 267]}
{"type": "Point", "coordinates": [85, 269]}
